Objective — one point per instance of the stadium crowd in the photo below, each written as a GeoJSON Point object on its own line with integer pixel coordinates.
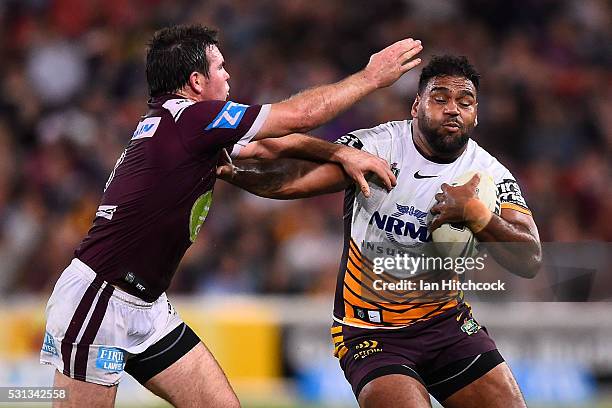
{"type": "Point", "coordinates": [73, 87]}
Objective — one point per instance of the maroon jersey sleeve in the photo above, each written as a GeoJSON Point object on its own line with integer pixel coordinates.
{"type": "Point", "coordinates": [209, 126]}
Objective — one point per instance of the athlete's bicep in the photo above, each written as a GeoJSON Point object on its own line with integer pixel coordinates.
{"type": "Point", "coordinates": [280, 121]}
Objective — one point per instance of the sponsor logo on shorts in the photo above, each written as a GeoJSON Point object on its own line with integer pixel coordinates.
{"type": "Point", "coordinates": [49, 345]}
{"type": "Point", "coordinates": [366, 348]}
{"type": "Point", "coordinates": [470, 326]}
{"type": "Point", "coordinates": [110, 359]}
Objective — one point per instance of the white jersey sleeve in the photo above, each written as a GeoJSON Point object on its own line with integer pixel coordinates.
{"type": "Point", "coordinates": [375, 140]}
{"type": "Point", "coordinates": [508, 190]}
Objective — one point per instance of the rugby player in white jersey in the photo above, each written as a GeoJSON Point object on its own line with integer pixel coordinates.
{"type": "Point", "coordinates": [394, 354]}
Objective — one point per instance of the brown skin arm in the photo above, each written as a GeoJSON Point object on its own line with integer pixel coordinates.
{"type": "Point", "coordinates": [460, 204]}
{"type": "Point", "coordinates": [285, 179]}
{"type": "Point", "coordinates": [514, 226]}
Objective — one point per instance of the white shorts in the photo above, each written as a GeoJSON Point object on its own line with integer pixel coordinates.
{"type": "Point", "coordinates": [93, 327]}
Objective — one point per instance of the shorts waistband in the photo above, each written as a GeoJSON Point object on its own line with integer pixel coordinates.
{"type": "Point", "coordinates": [90, 275]}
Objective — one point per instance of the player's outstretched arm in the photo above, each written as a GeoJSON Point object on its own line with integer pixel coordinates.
{"type": "Point", "coordinates": [356, 163]}
{"type": "Point", "coordinates": [518, 250]}
{"type": "Point", "coordinates": [312, 108]}
{"type": "Point", "coordinates": [284, 179]}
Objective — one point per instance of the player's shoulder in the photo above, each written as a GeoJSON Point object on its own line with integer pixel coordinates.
{"type": "Point", "coordinates": [387, 129]}
{"type": "Point", "coordinates": [374, 136]}
{"type": "Point", "coordinates": [489, 163]}
{"type": "Point", "coordinates": [181, 108]}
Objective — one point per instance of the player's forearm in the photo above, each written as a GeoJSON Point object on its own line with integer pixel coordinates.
{"type": "Point", "coordinates": [299, 146]}
{"type": "Point", "coordinates": [513, 246]}
{"type": "Point", "coordinates": [282, 179]}
{"type": "Point", "coordinates": [319, 105]}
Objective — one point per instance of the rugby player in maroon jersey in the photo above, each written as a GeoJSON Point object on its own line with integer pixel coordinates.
{"type": "Point", "coordinates": [108, 313]}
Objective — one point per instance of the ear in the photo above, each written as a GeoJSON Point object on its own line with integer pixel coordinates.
{"type": "Point", "coordinates": [197, 82]}
{"type": "Point", "coordinates": [415, 106]}
{"type": "Point", "coordinates": [476, 121]}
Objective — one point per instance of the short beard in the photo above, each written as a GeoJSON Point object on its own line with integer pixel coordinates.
{"type": "Point", "coordinates": [440, 142]}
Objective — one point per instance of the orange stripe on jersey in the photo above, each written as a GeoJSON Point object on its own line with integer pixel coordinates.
{"type": "Point", "coordinates": [396, 307]}
{"type": "Point", "coordinates": [336, 330]}
{"type": "Point", "coordinates": [362, 284]}
{"type": "Point", "coordinates": [355, 300]}
{"type": "Point", "coordinates": [355, 250]}
{"type": "Point", "coordinates": [515, 207]}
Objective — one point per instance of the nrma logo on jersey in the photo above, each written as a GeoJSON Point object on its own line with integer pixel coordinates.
{"type": "Point", "coordinates": [49, 345]}
{"type": "Point", "coordinates": [229, 117]}
{"type": "Point", "coordinates": [394, 225]}
{"type": "Point", "coordinates": [110, 359]}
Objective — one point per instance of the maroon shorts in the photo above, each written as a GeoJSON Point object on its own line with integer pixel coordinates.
{"type": "Point", "coordinates": [422, 350]}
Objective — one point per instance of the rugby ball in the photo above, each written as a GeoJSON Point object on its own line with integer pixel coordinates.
{"type": "Point", "coordinates": [457, 240]}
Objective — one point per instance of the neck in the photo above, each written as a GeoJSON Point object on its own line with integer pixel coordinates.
{"type": "Point", "coordinates": [428, 151]}
{"type": "Point", "coordinates": [187, 95]}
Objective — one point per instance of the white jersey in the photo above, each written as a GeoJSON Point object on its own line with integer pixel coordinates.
{"type": "Point", "coordinates": [398, 219]}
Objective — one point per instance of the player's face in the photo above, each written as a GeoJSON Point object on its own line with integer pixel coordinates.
{"type": "Point", "coordinates": [216, 86]}
{"type": "Point", "coordinates": [446, 112]}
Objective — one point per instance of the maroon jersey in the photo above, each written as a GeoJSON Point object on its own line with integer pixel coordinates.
{"type": "Point", "coordinates": [160, 191]}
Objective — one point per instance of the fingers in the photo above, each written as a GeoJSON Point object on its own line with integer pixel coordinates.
{"type": "Point", "coordinates": [411, 52]}
{"type": "Point", "coordinates": [363, 184]}
{"type": "Point", "coordinates": [436, 209]}
{"type": "Point", "coordinates": [474, 180]}
{"type": "Point", "coordinates": [380, 168]}
{"type": "Point", "coordinates": [384, 166]}
{"type": "Point", "coordinates": [411, 64]}
{"type": "Point", "coordinates": [383, 175]}
{"type": "Point", "coordinates": [224, 172]}
{"type": "Point", "coordinates": [392, 177]}
{"type": "Point", "coordinates": [444, 187]}
{"type": "Point", "coordinates": [436, 222]}
{"type": "Point", "coordinates": [404, 45]}
{"type": "Point", "coordinates": [388, 65]}
{"type": "Point", "coordinates": [226, 157]}
{"type": "Point", "coordinates": [383, 171]}
{"type": "Point", "coordinates": [439, 197]}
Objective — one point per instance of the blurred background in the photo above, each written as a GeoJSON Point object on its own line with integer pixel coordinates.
{"type": "Point", "coordinates": [72, 88]}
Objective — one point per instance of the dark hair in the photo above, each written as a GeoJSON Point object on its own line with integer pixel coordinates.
{"type": "Point", "coordinates": [174, 53]}
{"type": "Point", "coordinates": [448, 65]}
